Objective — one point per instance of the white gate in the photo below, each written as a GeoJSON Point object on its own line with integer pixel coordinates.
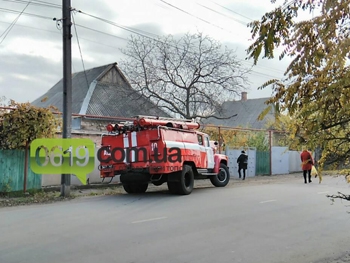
{"type": "Point", "coordinates": [280, 160]}
{"type": "Point", "coordinates": [234, 153]}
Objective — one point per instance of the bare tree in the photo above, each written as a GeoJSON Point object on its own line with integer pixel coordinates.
{"type": "Point", "coordinates": [190, 77]}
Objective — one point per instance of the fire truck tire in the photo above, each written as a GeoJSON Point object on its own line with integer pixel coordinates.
{"type": "Point", "coordinates": [184, 183]}
{"type": "Point", "coordinates": [222, 178]}
{"type": "Point", "coordinates": [135, 188]}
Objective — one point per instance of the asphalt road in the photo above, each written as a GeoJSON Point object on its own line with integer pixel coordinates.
{"type": "Point", "coordinates": [250, 222]}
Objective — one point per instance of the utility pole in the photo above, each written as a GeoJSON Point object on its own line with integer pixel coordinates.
{"type": "Point", "coordinates": [67, 85]}
{"type": "Point", "coordinates": [270, 144]}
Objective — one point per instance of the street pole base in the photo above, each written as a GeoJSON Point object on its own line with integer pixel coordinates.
{"type": "Point", "coordinates": [65, 190]}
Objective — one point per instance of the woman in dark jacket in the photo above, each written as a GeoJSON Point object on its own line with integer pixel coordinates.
{"type": "Point", "coordinates": [242, 161]}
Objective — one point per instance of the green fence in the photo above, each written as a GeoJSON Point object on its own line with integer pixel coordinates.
{"type": "Point", "coordinates": [262, 163]}
{"type": "Point", "coordinates": [12, 164]}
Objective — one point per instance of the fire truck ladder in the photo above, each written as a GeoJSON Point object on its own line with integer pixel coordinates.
{"type": "Point", "coordinates": [184, 124]}
{"type": "Point", "coordinates": [162, 118]}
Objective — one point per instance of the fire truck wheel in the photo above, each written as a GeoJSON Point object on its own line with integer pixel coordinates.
{"type": "Point", "coordinates": [134, 188]}
{"type": "Point", "coordinates": [184, 183]}
{"type": "Point", "coordinates": [222, 178]}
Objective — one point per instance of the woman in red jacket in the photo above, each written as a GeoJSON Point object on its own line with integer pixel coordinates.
{"type": "Point", "coordinates": [307, 163]}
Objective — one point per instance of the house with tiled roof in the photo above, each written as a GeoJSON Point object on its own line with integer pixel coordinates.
{"type": "Point", "coordinates": [244, 113]}
{"type": "Point", "coordinates": [97, 94]}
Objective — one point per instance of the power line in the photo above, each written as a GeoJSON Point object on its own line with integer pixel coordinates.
{"type": "Point", "coordinates": [6, 10]}
{"type": "Point", "coordinates": [237, 20]}
{"type": "Point", "coordinates": [20, 25]}
{"type": "Point", "coordinates": [103, 88]}
{"type": "Point", "coordinates": [233, 11]}
{"type": "Point", "coordinates": [101, 32]}
{"type": "Point", "coordinates": [9, 28]}
{"type": "Point", "coordinates": [48, 3]}
{"type": "Point", "coordinates": [194, 15]}
{"type": "Point", "coordinates": [34, 3]}
{"type": "Point", "coordinates": [82, 60]}
{"type": "Point", "coordinates": [132, 30]}
{"type": "Point", "coordinates": [135, 31]}
{"type": "Point", "coordinates": [264, 74]}
{"type": "Point", "coordinates": [209, 22]}
{"type": "Point", "coordinates": [89, 40]}
{"type": "Point", "coordinates": [81, 55]}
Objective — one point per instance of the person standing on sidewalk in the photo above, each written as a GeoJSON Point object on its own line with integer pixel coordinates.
{"type": "Point", "coordinates": [242, 161]}
{"type": "Point", "coordinates": [306, 164]}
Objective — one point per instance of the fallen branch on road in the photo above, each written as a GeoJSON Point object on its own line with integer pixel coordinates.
{"type": "Point", "coordinates": [339, 196]}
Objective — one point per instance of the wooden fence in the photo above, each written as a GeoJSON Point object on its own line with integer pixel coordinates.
{"type": "Point", "coordinates": [12, 163]}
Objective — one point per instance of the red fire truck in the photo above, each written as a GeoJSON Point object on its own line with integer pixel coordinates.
{"type": "Point", "coordinates": [160, 150]}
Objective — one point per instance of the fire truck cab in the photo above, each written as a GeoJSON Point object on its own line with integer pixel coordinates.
{"type": "Point", "coordinates": [160, 150]}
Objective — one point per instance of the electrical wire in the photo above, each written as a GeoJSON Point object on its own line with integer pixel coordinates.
{"type": "Point", "coordinates": [129, 29]}
{"type": "Point", "coordinates": [102, 87]}
{"type": "Point", "coordinates": [234, 19]}
{"type": "Point", "coordinates": [6, 10]}
{"type": "Point", "coordinates": [55, 32]}
{"type": "Point", "coordinates": [35, 3]}
{"type": "Point", "coordinates": [135, 31]}
{"type": "Point", "coordinates": [81, 55]}
{"type": "Point", "coordinates": [233, 11]}
{"type": "Point", "coordinates": [213, 24]}
{"type": "Point", "coordinates": [9, 28]}
{"type": "Point", "coordinates": [145, 34]}
{"type": "Point", "coordinates": [101, 32]}
{"type": "Point", "coordinates": [82, 59]}
{"type": "Point", "coordinates": [205, 21]}
{"type": "Point", "coordinates": [20, 25]}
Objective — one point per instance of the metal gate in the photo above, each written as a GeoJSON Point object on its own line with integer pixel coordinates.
{"type": "Point", "coordinates": [262, 163]}
{"type": "Point", "coordinates": [233, 154]}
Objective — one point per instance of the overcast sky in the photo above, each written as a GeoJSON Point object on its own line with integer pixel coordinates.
{"type": "Point", "coordinates": [31, 50]}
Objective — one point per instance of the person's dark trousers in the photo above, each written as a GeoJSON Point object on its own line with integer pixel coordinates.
{"type": "Point", "coordinates": [239, 171]}
{"type": "Point", "coordinates": [308, 172]}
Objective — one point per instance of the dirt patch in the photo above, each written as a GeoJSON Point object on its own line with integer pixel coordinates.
{"type": "Point", "coordinates": [53, 194]}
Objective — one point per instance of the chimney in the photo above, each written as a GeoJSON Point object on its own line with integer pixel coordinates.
{"type": "Point", "coordinates": [244, 96]}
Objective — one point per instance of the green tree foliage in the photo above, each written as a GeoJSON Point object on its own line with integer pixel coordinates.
{"type": "Point", "coordinates": [316, 88]}
{"type": "Point", "coordinates": [239, 138]}
{"type": "Point", "coordinates": [24, 124]}
{"type": "Point", "coordinates": [189, 77]}
{"type": "Point", "coordinates": [259, 141]}
{"type": "Point", "coordinates": [280, 127]}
